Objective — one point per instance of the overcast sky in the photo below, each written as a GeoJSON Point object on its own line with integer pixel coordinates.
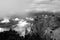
{"type": "Point", "coordinates": [10, 7]}
{"type": "Point", "coordinates": [13, 6]}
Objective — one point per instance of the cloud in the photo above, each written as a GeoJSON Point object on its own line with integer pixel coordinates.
{"type": "Point", "coordinates": [11, 7]}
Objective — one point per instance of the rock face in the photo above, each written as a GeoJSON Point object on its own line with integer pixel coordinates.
{"type": "Point", "coordinates": [46, 24]}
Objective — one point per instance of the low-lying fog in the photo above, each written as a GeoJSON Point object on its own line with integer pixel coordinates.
{"type": "Point", "coordinates": [10, 7]}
